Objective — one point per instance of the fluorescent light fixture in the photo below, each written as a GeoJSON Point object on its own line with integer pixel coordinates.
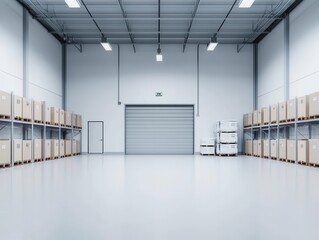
{"type": "Point", "coordinates": [213, 44]}
{"type": "Point", "coordinates": [159, 55]}
{"type": "Point", "coordinates": [73, 3]}
{"type": "Point", "coordinates": [246, 3]}
{"type": "Point", "coordinates": [106, 45]}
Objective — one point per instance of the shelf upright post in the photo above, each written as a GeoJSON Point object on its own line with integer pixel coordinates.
{"type": "Point", "coordinates": [59, 134]}
{"type": "Point", "coordinates": [32, 131]}
{"type": "Point", "coordinates": [44, 130]}
{"type": "Point", "coordinates": [11, 131]}
{"type": "Point", "coordinates": [296, 132]}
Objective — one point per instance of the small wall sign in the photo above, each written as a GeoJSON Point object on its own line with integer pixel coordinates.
{"type": "Point", "coordinates": [158, 94]}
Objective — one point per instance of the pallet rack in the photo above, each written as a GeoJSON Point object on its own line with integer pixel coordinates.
{"type": "Point", "coordinates": [47, 131]}
{"type": "Point", "coordinates": [273, 131]}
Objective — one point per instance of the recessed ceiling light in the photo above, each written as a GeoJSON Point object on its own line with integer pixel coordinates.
{"type": "Point", "coordinates": [246, 3]}
{"type": "Point", "coordinates": [73, 3]}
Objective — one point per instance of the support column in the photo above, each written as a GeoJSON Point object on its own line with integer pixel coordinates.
{"type": "Point", "coordinates": [255, 84]}
{"type": "Point", "coordinates": [64, 67]}
{"type": "Point", "coordinates": [25, 53]}
{"type": "Point", "coordinates": [287, 58]}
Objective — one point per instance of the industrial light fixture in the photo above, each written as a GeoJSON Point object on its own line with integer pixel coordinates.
{"type": "Point", "coordinates": [246, 3]}
{"type": "Point", "coordinates": [73, 3]}
{"type": "Point", "coordinates": [106, 45]}
{"type": "Point", "coordinates": [159, 55]}
{"type": "Point", "coordinates": [213, 43]}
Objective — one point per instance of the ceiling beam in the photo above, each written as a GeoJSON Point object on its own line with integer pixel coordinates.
{"type": "Point", "coordinates": [126, 23]}
{"type": "Point", "coordinates": [191, 24]}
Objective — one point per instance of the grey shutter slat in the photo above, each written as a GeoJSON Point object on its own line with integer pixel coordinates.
{"type": "Point", "coordinates": [159, 129]}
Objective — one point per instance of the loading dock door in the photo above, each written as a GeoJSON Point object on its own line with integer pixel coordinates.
{"type": "Point", "coordinates": [159, 129]}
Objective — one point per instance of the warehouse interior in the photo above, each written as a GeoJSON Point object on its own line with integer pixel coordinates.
{"type": "Point", "coordinates": [159, 119]}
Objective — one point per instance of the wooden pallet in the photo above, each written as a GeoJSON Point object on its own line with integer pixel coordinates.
{"type": "Point", "coordinates": [303, 118]}
{"type": "Point", "coordinates": [68, 155]}
{"type": "Point", "coordinates": [303, 163]}
{"type": "Point", "coordinates": [227, 155]}
{"type": "Point", "coordinates": [5, 165]}
{"type": "Point", "coordinates": [313, 164]}
{"type": "Point", "coordinates": [291, 120]}
{"type": "Point", "coordinates": [273, 122]}
{"type": "Point", "coordinates": [18, 118]}
{"type": "Point", "coordinates": [314, 117]}
{"type": "Point", "coordinates": [283, 121]}
{"type": "Point", "coordinates": [48, 158]}
{"type": "Point", "coordinates": [27, 119]}
{"type": "Point", "coordinates": [207, 154]}
{"type": "Point", "coordinates": [282, 159]}
{"type": "Point", "coordinates": [26, 161]}
{"type": "Point", "coordinates": [68, 126]}
{"type": "Point", "coordinates": [47, 122]}
{"type": "Point", "coordinates": [265, 157]}
{"type": "Point", "coordinates": [5, 117]}
{"type": "Point", "coordinates": [273, 158]}
{"type": "Point", "coordinates": [38, 160]}
{"type": "Point", "coordinates": [37, 121]}
{"type": "Point", "coordinates": [290, 161]}
{"type": "Point", "coordinates": [54, 158]}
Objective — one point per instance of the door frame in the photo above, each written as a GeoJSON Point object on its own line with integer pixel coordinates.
{"type": "Point", "coordinates": [159, 105]}
{"type": "Point", "coordinates": [89, 136]}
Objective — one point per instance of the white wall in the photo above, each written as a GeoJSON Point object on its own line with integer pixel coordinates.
{"type": "Point", "coordinates": [11, 52]}
{"type": "Point", "coordinates": [45, 57]}
{"type": "Point", "coordinates": [226, 85]}
{"type": "Point", "coordinates": [303, 57]}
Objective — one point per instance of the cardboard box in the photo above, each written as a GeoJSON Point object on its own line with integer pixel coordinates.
{"type": "Point", "coordinates": [68, 145]}
{"type": "Point", "coordinates": [68, 118]}
{"type": "Point", "coordinates": [37, 111]}
{"type": "Point", "coordinates": [17, 107]}
{"type": "Point", "coordinates": [245, 117]}
{"type": "Point", "coordinates": [37, 149]}
{"type": "Point", "coordinates": [221, 126]}
{"type": "Point", "coordinates": [227, 137]}
{"type": "Point", "coordinates": [314, 151]}
{"type": "Point", "coordinates": [62, 120]}
{"type": "Point", "coordinates": [221, 148]}
{"type": "Point", "coordinates": [207, 150]}
{"type": "Point", "coordinates": [62, 148]}
{"type": "Point", "coordinates": [266, 115]}
{"type": "Point", "coordinates": [74, 147]}
{"type": "Point", "coordinates": [255, 147]}
{"type": "Point", "coordinates": [314, 105]}
{"type": "Point", "coordinates": [48, 149]}
{"type": "Point", "coordinates": [5, 104]}
{"type": "Point", "coordinates": [273, 150]}
{"type": "Point", "coordinates": [48, 115]}
{"type": "Point", "coordinates": [74, 117]}
{"type": "Point", "coordinates": [303, 107]}
{"type": "Point", "coordinates": [283, 149]}
{"type": "Point", "coordinates": [274, 113]}
{"type": "Point", "coordinates": [260, 148]}
{"type": "Point", "coordinates": [5, 151]}
{"type": "Point", "coordinates": [55, 115]}
{"type": "Point", "coordinates": [17, 150]}
{"type": "Point", "coordinates": [291, 109]}
{"type": "Point", "coordinates": [54, 148]}
{"type": "Point", "coordinates": [255, 118]}
{"type": "Point", "coordinates": [79, 122]}
{"type": "Point", "coordinates": [303, 151]}
{"type": "Point", "coordinates": [250, 119]}
{"type": "Point", "coordinates": [282, 111]}
{"type": "Point", "coordinates": [78, 146]}
{"type": "Point", "coordinates": [266, 148]}
{"type": "Point", "coordinates": [291, 150]}
{"type": "Point", "coordinates": [26, 150]}
{"type": "Point", "coordinates": [26, 109]}
{"type": "Point", "coordinates": [260, 117]}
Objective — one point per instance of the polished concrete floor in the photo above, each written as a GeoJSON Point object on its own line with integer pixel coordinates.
{"type": "Point", "coordinates": [159, 198]}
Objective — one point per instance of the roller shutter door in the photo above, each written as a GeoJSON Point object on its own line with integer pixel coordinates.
{"type": "Point", "coordinates": [159, 129]}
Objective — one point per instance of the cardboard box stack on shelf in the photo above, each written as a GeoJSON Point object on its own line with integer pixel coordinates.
{"type": "Point", "coordinates": [248, 147]}
{"type": "Point", "coordinates": [303, 108]}
{"type": "Point", "coordinates": [37, 149]}
{"type": "Point", "coordinates": [260, 148]}
{"type": "Point", "coordinates": [48, 149]}
{"type": "Point", "coordinates": [283, 112]}
{"type": "Point", "coordinates": [283, 149]}
{"type": "Point", "coordinates": [17, 108]}
{"type": "Point", "coordinates": [250, 119]}
{"type": "Point", "coordinates": [207, 147]}
{"type": "Point", "coordinates": [303, 151]}
{"type": "Point", "coordinates": [5, 153]}
{"type": "Point", "coordinates": [55, 115]}
{"type": "Point", "coordinates": [291, 150]}
{"type": "Point", "coordinates": [17, 150]}
{"type": "Point", "coordinates": [265, 115]}
{"type": "Point", "coordinates": [5, 105]}
{"type": "Point", "coordinates": [255, 118]}
{"type": "Point", "coordinates": [227, 138]}
{"type": "Point", "coordinates": [266, 148]}
{"type": "Point", "coordinates": [314, 151]}
{"type": "Point", "coordinates": [260, 117]}
{"type": "Point", "coordinates": [37, 112]}
{"type": "Point", "coordinates": [78, 121]}
{"type": "Point", "coordinates": [47, 115]}
{"type": "Point", "coordinates": [314, 105]}
{"type": "Point", "coordinates": [291, 110]}
{"type": "Point", "coordinates": [62, 148]}
{"type": "Point", "coordinates": [273, 149]}
{"type": "Point", "coordinates": [62, 118]}
{"type": "Point", "coordinates": [274, 113]}
{"type": "Point", "coordinates": [255, 148]}
{"type": "Point", "coordinates": [68, 145]}
{"type": "Point", "coordinates": [54, 148]}
{"type": "Point", "coordinates": [26, 150]}
{"type": "Point", "coordinates": [26, 110]}
{"type": "Point", "coordinates": [68, 119]}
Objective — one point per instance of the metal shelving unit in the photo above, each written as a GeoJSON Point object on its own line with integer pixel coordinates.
{"type": "Point", "coordinates": [256, 132]}
{"type": "Point", "coordinates": [46, 131]}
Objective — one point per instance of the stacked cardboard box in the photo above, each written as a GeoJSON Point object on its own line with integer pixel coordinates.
{"type": "Point", "coordinates": [303, 107]}
{"type": "Point", "coordinates": [266, 115]}
{"type": "Point", "coordinates": [5, 104]}
{"type": "Point", "coordinates": [314, 151]}
{"type": "Point", "coordinates": [291, 150]}
{"type": "Point", "coordinates": [5, 152]}
{"type": "Point", "coordinates": [291, 110]}
{"type": "Point", "coordinates": [273, 149]}
{"type": "Point", "coordinates": [266, 148]}
{"type": "Point", "coordinates": [274, 114]}
{"type": "Point", "coordinates": [283, 149]}
{"type": "Point", "coordinates": [37, 114]}
{"type": "Point", "coordinates": [17, 108]}
{"type": "Point", "coordinates": [55, 115]}
{"type": "Point", "coordinates": [26, 109]}
{"type": "Point", "coordinates": [37, 149]}
{"type": "Point", "coordinates": [26, 150]}
{"type": "Point", "coordinates": [54, 148]}
{"type": "Point", "coordinates": [17, 150]}
{"type": "Point", "coordinates": [314, 105]}
{"type": "Point", "coordinates": [303, 151]}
